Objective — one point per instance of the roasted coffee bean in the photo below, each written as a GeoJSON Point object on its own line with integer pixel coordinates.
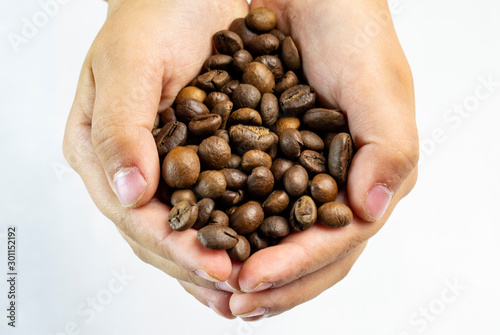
{"type": "Point", "coordinates": [218, 62]}
{"type": "Point", "coordinates": [213, 80]}
{"type": "Point", "coordinates": [260, 183]}
{"type": "Point", "coordinates": [322, 119]}
{"type": "Point", "coordinates": [323, 188]}
{"type": "Point", "coordinates": [335, 215]}
{"type": "Point", "coordinates": [246, 138]}
{"type": "Point", "coordinates": [227, 42]}
{"type": "Point", "coordinates": [156, 132]}
{"type": "Point", "coordinates": [297, 100]}
{"type": "Point", "coordinates": [274, 65]}
{"type": "Point", "coordinates": [245, 116]}
{"type": "Point", "coordinates": [189, 108]}
{"type": "Point", "coordinates": [312, 140]}
{"type": "Point", "coordinates": [291, 143]}
{"type": "Point", "coordinates": [172, 134]}
{"type": "Point", "coordinates": [264, 44]}
{"type": "Point", "coordinates": [206, 207]}
{"type": "Point", "coordinates": [258, 242]}
{"type": "Point", "coordinates": [181, 168]}
{"type": "Point", "coordinates": [327, 139]}
{"type": "Point", "coordinates": [204, 125]}
{"type": "Point", "coordinates": [276, 203]}
{"type": "Point", "coordinates": [285, 123]}
{"type": "Point", "coordinates": [183, 215]}
{"type": "Point", "coordinates": [255, 158]}
{"type": "Point", "coordinates": [210, 184]}
{"type": "Point", "coordinates": [219, 218]}
{"type": "Point", "coordinates": [258, 75]}
{"type": "Point", "coordinates": [247, 218]}
{"type": "Point", "coordinates": [241, 251]}
{"type": "Point", "coordinates": [192, 147]}
{"type": "Point", "coordinates": [232, 198]}
{"type": "Point", "coordinates": [340, 156]}
{"type": "Point", "coordinates": [213, 98]}
{"type": "Point", "coordinates": [217, 237]}
{"type": "Point", "coordinates": [214, 153]}
{"type": "Point", "coordinates": [246, 96]}
{"type": "Point", "coordinates": [222, 133]}
{"type": "Point", "coordinates": [279, 35]}
{"type": "Point", "coordinates": [269, 109]}
{"type": "Point", "coordinates": [231, 211]}
{"type": "Point", "coordinates": [304, 214]}
{"type": "Point", "coordinates": [275, 226]}
{"type": "Point", "coordinates": [181, 195]}
{"type": "Point", "coordinates": [273, 150]}
{"type": "Point", "coordinates": [223, 109]}
{"type": "Point", "coordinates": [295, 181]}
{"type": "Point", "coordinates": [191, 92]}
{"type": "Point", "coordinates": [167, 116]}
{"type": "Point", "coordinates": [290, 54]}
{"type": "Point", "coordinates": [289, 80]}
{"type": "Point", "coordinates": [313, 161]}
{"type": "Point", "coordinates": [235, 179]}
{"type": "Point", "coordinates": [157, 122]}
{"type": "Point", "coordinates": [230, 87]}
{"type": "Point", "coordinates": [234, 162]}
{"type": "Point", "coordinates": [241, 59]}
{"type": "Point", "coordinates": [240, 27]}
{"type": "Point", "coordinates": [261, 20]}
{"type": "Point", "coordinates": [279, 167]}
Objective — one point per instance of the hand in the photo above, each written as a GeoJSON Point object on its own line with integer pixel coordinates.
{"type": "Point", "coordinates": [144, 54]}
{"type": "Point", "coordinates": [372, 83]}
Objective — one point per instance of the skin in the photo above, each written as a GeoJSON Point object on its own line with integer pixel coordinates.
{"type": "Point", "coordinates": [148, 50]}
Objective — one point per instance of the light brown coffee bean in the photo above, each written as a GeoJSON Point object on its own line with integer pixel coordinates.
{"type": "Point", "coordinates": [190, 92]}
{"type": "Point", "coordinates": [181, 168]}
{"type": "Point", "coordinates": [258, 75]}
{"type": "Point", "coordinates": [181, 195]}
{"type": "Point", "coordinates": [335, 215]}
{"type": "Point", "coordinates": [285, 123]}
{"type": "Point", "coordinates": [261, 20]}
{"type": "Point", "coordinates": [323, 188]}
{"type": "Point", "coordinates": [210, 184]}
{"type": "Point", "coordinates": [255, 158]}
{"type": "Point", "coordinates": [245, 116]}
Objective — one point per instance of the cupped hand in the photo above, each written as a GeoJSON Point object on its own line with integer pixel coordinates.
{"type": "Point", "coordinates": [144, 54]}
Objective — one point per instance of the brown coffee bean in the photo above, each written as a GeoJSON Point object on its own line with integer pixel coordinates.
{"type": "Point", "coordinates": [279, 167]}
{"type": "Point", "coordinates": [245, 116]}
{"type": "Point", "coordinates": [255, 158]}
{"type": "Point", "coordinates": [232, 198]}
{"type": "Point", "coordinates": [260, 183]}
{"type": "Point", "coordinates": [276, 203]}
{"type": "Point", "coordinates": [290, 54]}
{"type": "Point", "coordinates": [279, 35]}
{"type": "Point", "coordinates": [323, 188]}
{"type": "Point", "coordinates": [172, 134]}
{"type": "Point", "coordinates": [269, 109]}
{"type": "Point", "coordinates": [313, 161]}
{"type": "Point", "coordinates": [235, 179]}
{"type": "Point", "coordinates": [275, 226]}
{"type": "Point", "coordinates": [295, 181]}
{"type": "Point", "coordinates": [222, 133]}
{"type": "Point", "coordinates": [213, 80]}
{"type": "Point", "coordinates": [261, 20]}
{"type": "Point", "coordinates": [245, 138]}
{"type": "Point", "coordinates": [230, 87]}
{"type": "Point", "coordinates": [274, 65]}
{"type": "Point", "coordinates": [241, 59]}
{"type": "Point", "coordinates": [218, 62]}
{"type": "Point", "coordinates": [183, 215]}
{"type": "Point", "coordinates": [210, 184]}
{"type": "Point", "coordinates": [219, 218]}
{"type": "Point", "coordinates": [156, 132]}
{"type": "Point", "coordinates": [191, 92]}
{"type": "Point", "coordinates": [297, 100]}
{"type": "Point", "coordinates": [157, 122]}
{"type": "Point", "coordinates": [168, 115]}
{"type": "Point", "coordinates": [264, 44]}
{"type": "Point", "coordinates": [273, 150]}
{"type": "Point", "coordinates": [204, 125]}
{"type": "Point", "coordinates": [206, 207]}
{"type": "Point", "coordinates": [189, 108]}
{"type": "Point", "coordinates": [327, 139]}
{"type": "Point", "coordinates": [312, 140]}
{"type": "Point", "coordinates": [181, 168]}
{"type": "Point", "coordinates": [214, 153]}
{"type": "Point", "coordinates": [241, 251]}
{"type": "Point", "coordinates": [335, 215]}
{"type": "Point", "coordinates": [246, 96]}
{"type": "Point", "coordinates": [240, 27]}
{"type": "Point", "coordinates": [223, 109]}
{"type": "Point", "coordinates": [340, 156]}
{"type": "Point", "coordinates": [304, 214]}
{"type": "Point", "coordinates": [322, 119]}
{"type": "Point", "coordinates": [227, 42]}
{"type": "Point", "coordinates": [231, 210]}
{"type": "Point", "coordinates": [182, 195]}
{"type": "Point", "coordinates": [192, 147]}
{"type": "Point", "coordinates": [285, 123]}
{"type": "Point", "coordinates": [258, 75]}
{"type": "Point", "coordinates": [291, 143]}
{"type": "Point", "coordinates": [217, 237]}
{"type": "Point", "coordinates": [247, 218]}
{"type": "Point", "coordinates": [213, 98]}
{"type": "Point", "coordinates": [289, 80]}
{"type": "Point", "coordinates": [258, 242]}
{"type": "Point", "coordinates": [234, 162]}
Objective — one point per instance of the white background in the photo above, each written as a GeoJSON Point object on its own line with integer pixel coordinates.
{"type": "Point", "coordinates": [446, 231]}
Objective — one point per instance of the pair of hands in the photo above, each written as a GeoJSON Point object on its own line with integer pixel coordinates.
{"type": "Point", "coordinates": [148, 50]}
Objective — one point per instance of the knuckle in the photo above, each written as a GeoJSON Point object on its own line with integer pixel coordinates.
{"type": "Point", "coordinates": [405, 155]}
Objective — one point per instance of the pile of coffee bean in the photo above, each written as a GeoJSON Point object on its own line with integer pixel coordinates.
{"type": "Point", "coordinates": [247, 155]}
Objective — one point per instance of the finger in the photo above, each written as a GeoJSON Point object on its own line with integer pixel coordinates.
{"type": "Point", "coordinates": [252, 306]}
{"type": "Point", "coordinates": [218, 301]}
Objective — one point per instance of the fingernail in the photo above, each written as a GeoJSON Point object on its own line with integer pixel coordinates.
{"type": "Point", "coordinates": [205, 275]}
{"type": "Point", "coordinates": [259, 288]}
{"type": "Point", "coordinates": [130, 186]}
{"type": "Point", "coordinates": [377, 201]}
{"type": "Point", "coordinates": [225, 286]}
{"type": "Point", "coordinates": [259, 311]}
